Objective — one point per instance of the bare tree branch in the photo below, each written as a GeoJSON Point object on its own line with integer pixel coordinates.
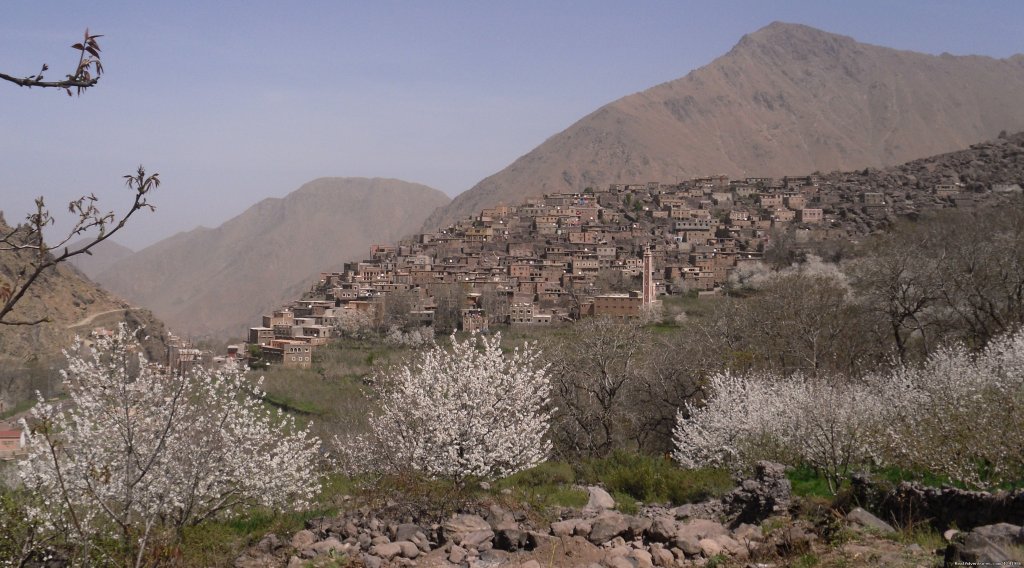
{"type": "Point", "coordinates": [27, 240]}
{"type": "Point", "coordinates": [86, 74]}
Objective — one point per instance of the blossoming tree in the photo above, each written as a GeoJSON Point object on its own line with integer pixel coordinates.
{"type": "Point", "coordinates": [958, 415]}
{"type": "Point", "coordinates": [136, 454]}
{"type": "Point", "coordinates": [470, 411]}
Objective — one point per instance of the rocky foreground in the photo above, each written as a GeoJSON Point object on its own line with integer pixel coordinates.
{"type": "Point", "coordinates": [753, 526]}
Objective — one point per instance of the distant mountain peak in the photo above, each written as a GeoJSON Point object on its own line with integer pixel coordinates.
{"type": "Point", "coordinates": [786, 100]}
{"type": "Point", "coordinates": [216, 282]}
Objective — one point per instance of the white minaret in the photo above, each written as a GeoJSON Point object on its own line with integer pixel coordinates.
{"type": "Point", "coordinates": [649, 290]}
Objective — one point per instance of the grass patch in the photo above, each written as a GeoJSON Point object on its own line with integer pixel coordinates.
{"type": "Point", "coordinates": [807, 482]}
{"type": "Point", "coordinates": [549, 484]}
{"type": "Point", "coordinates": [652, 479]}
{"type": "Point", "coordinates": [920, 534]}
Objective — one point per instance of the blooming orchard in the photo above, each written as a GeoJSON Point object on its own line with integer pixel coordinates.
{"type": "Point", "coordinates": [137, 454]}
{"type": "Point", "coordinates": [470, 411]}
{"type": "Point", "coordinates": [959, 415]}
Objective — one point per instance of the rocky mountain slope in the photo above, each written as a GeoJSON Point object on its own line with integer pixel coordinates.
{"type": "Point", "coordinates": [75, 306]}
{"type": "Point", "coordinates": [103, 256]}
{"type": "Point", "coordinates": [786, 99]}
{"type": "Point", "coordinates": [217, 282]}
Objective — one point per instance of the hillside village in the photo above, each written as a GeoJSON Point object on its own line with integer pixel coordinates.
{"type": "Point", "coordinates": [608, 252]}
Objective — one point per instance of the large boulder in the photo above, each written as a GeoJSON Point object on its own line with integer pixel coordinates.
{"type": "Point", "coordinates": [865, 519]}
{"type": "Point", "coordinates": [768, 493]}
{"type": "Point", "coordinates": [987, 545]}
{"type": "Point", "coordinates": [607, 526]}
{"type": "Point", "coordinates": [599, 500]}
{"type": "Point", "coordinates": [457, 527]}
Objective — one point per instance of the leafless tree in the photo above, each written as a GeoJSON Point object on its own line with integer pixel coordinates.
{"type": "Point", "coordinates": [615, 386]}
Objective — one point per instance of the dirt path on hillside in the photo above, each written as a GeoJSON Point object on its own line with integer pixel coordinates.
{"type": "Point", "coordinates": [89, 319]}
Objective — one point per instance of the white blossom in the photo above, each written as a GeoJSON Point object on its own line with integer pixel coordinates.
{"type": "Point", "coordinates": [135, 451]}
{"type": "Point", "coordinates": [959, 415]}
{"type": "Point", "coordinates": [470, 411]}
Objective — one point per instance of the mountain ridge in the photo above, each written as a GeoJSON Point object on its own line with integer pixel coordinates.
{"type": "Point", "coordinates": [215, 281]}
{"type": "Point", "coordinates": [785, 98]}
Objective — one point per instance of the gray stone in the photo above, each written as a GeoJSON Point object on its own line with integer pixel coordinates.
{"type": "Point", "coordinates": [511, 539]}
{"type": "Point", "coordinates": [661, 556]}
{"type": "Point", "coordinates": [405, 531]}
{"type": "Point", "coordinates": [364, 541]}
{"type": "Point", "coordinates": [409, 549]}
{"type": "Point", "coordinates": [303, 539]}
{"type": "Point", "coordinates": [700, 528]}
{"type": "Point", "coordinates": [730, 545]}
{"type": "Point", "coordinates": [1001, 533]}
{"type": "Point", "coordinates": [641, 558]}
{"type": "Point", "coordinates": [748, 533]}
{"type": "Point", "coordinates": [476, 538]}
{"type": "Point", "coordinates": [599, 500]}
{"type": "Point", "coordinates": [710, 547]}
{"type": "Point", "coordinates": [663, 529]}
{"type": "Point", "coordinates": [607, 526]}
{"type": "Point", "coordinates": [639, 525]}
{"type": "Point", "coordinates": [688, 543]}
{"type": "Point", "coordinates": [769, 493]}
{"type": "Point", "coordinates": [987, 545]}
{"type": "Point", "coordinates": [455, 528]}
{"type": "Point", "coordinates": [865, 519]}
{"type": "Point", "coordinates": [457, 555]}
{"type": "Point", "coordinates": [491, 557]}
{"type": "Point", "coordinates": [563, 528]}
{"type": "Point", "coordinates": [329, 545]}
{"type": "Point", "coordinates": [295, 562]}
{"type": "Point", "coordinates": [371, 561]}
{"type": "Point", "coordinates": [617, 549]}
{"type": "Point", "coordinates": [618, 562]}
{"type": "Point", "coordinates": [387, 550]}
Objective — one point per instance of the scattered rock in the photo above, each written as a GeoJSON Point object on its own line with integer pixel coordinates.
{"type": "Point", "coordinates": [476, 538]}
{"type": "Point", "coordinates": [409, 549]}
{"type": "Point", "coordinates": [599, 501]}
{"type": "Point", "coordinates": [663, 529]}
{"type": "Point", "coordinates": [303, 539]}
{"type": "Point", "coordinates": [387, 550]}
{"type": "Point", "coordinates": [865, 519]}
{"type": "Point", "coordinates": [329, 545]}
{"type": "Point", "coordinates": [607, 526]}
{"type": "Point", "coordinates": [710, 547]}
{"type": "Point", "coordinates": [769, 493]}
{"type": "Point", "coordinates": [661, 556]}
{"type": "Point", "coordinates": [457, 527]}
{"type": "Point", "coordinates": [987, 545]}
{"type": "Point", "coordinates": [457, 555]}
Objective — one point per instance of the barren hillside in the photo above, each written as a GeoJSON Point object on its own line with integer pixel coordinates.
{"type": "Point", "coordinates": [786, 99]}
{"type": "Point", "coordinates": [218, 281]}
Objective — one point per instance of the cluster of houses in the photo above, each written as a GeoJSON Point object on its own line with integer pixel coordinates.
{"type": "Point", "coordinates": [608, 251]}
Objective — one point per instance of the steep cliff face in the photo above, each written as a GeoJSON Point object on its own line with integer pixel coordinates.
{"type": "Point", "coordinates": [787, 99]}
{"type": "Point", "coordinates": [217, 282]}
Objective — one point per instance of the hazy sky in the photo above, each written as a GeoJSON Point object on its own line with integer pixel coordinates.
{"type": "Point", "coordinates": [233, 102]}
